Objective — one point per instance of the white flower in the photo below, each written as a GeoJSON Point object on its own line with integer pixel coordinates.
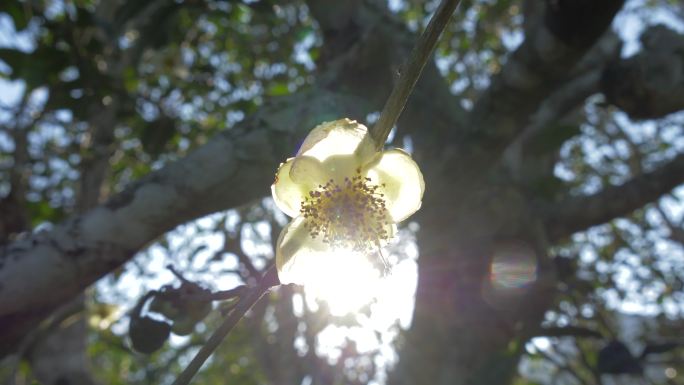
{"type": "Point", "coordinates": [343, 195]}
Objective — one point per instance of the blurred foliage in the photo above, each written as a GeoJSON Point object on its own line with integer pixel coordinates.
{"type": "Point", "coordinates": [177, 72]}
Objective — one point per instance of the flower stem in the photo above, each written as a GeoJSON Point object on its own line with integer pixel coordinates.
{"type": "Point", "coordinates": [410, 72]}
{"type": "Point", "coordinates": [251, 296]}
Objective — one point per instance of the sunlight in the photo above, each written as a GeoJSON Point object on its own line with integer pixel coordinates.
{"type": "Point", "coordinates": [391, 300]}
{"type": "Point", "coordinates": [345, 280]}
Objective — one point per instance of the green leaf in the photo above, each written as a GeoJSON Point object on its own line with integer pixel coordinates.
{"type": "Point", "coordinates": [16, 11]}
{"type": "Point", "coordinates": [278, 89]}
{"type": "Point", "coordinates": [42, 211]}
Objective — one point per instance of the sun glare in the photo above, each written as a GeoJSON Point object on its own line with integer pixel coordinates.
{"type": "Point", "coordinates": [346, 281]}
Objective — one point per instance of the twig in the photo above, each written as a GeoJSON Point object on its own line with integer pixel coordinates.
{"type": "Point", "coordinates": [204, 295]}
{"type": "Point", "coordinates": [562, 366]}
{"type": "Point", "coordinates": [253, 294]}
{"type": "Point", "coordinates": [410, 72]}
{"type": "Point", "coordinates": [179, 275]}
{"type": "Point", "coordinates": [243, 259]}
{"type": "Point", "coordinates": [232, 244]}
{"type": "Point", "coordinates": [596, 375]}
{"type": "Point", "coordinates": [221, 295]}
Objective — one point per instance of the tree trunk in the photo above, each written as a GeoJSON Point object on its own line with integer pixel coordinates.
{"type": "Point", "coordinates": [484, 275]}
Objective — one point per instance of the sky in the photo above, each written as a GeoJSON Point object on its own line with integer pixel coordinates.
{"type": "Point", "coordinates": [395, 294]}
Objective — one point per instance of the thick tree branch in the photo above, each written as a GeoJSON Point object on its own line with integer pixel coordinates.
{"type": "Point", "coordinates": [583, 83]}
{"type": "Point", "coordinates": [581, 212]}
{"type": "Point", "coordinates": [236, 168]}
{"type": "Point", "coordinates": [555, 111]}
{"type": "Point", "coordinates": [230, 170]}
{"type": "Point", "coordinates": [650, 84]}
{"type": "Point", "coordinates": [390, 113]}
{"type": "Point", "coordinates": [578, 23]}
{"type": "Point", "coordinates": [533, 154]}
{"type": "Point", "coordinates": [554, 49]}
{"type": "Point", "coordinates": [377, 43]}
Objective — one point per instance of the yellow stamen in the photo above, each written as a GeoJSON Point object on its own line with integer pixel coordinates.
{"type": "Point", "coordinates": [349, 215]}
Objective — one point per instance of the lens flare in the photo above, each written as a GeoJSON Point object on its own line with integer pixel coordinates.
{"type": "Point", "coordinates": [514, 266]}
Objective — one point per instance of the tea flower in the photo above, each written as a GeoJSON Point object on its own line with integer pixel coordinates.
{"type": "Point", "coordinates": [344, 196]}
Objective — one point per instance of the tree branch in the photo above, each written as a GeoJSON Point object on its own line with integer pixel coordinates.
{"type": "Point", "coordinates": [574, 91]}
{"type": "Point", "coordinates": [553, 49]}
{"type": "Point", "coordinates": [578, 213]}
{"type": "Point", "coordinates": [411, 71]}
{"type": "Point", "coordinates": [388, 117]}
{"type": "Point", "coordinates": [237, 167]}
{"type": "Point", "coordinates": [650, 84]}
{"type": "Point", "coordinates": [234, 245]}
{"type": "Point", "coordinates": [376, 43]}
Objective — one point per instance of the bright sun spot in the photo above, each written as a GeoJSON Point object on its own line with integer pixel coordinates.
{"type": "Point", "coordinates": [348, 281]}
{"type": "Point", "coordinates": [330, 281]}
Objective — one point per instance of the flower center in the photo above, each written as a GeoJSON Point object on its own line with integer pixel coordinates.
{"type": "Point", "coordinates": [349, 215]}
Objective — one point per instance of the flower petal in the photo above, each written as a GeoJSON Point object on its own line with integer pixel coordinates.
{"type": "Point", "coordinates": [297, 253]}
{"type": "Point", "coordinates": [288, 194]}
{"type": "Point", "coordinates": [339, 137]}
{"type": "Point", "coordinates": [308, 171]}
{"type": "Point", "coordinates": [403, 183]}
{"type": "Point", "coordinates": [303, 260]}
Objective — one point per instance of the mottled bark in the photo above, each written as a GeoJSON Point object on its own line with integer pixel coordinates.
{"type": "Point", "coordinates": [464, 330]}
{"type": "Point", "coordinates": [473, 211]}
{"type": "Point", "coordinates": [576, 213]}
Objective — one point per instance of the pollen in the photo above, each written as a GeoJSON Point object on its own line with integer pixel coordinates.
{"type": "Point", "coordinates": [348, 214]}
